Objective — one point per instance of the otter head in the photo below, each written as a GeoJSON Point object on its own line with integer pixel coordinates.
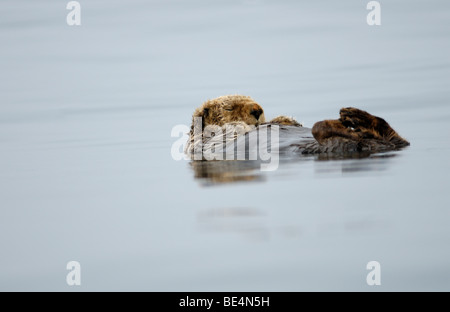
{"type": "Point", "coordinates": [229, 109]}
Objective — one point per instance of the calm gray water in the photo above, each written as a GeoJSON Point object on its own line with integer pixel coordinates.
{"type": "Point", "coordinates": [86, 171]}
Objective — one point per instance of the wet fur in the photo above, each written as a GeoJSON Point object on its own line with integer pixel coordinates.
{"type": "Point", "coordinates": [355, 130]}
{"type": "Point", "coordinates": [236, 110]}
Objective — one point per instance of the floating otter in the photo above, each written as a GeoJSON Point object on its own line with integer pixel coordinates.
{"type": "Point", "coordinates": [233, 118]}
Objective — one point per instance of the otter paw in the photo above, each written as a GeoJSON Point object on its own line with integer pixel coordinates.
{"type": "Point", "coordinates": [355, 118]}
{"type": "Point", "coordinates": [285, 120]}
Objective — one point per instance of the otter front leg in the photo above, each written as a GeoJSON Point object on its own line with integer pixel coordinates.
{"type": "Point", "coordinates": [327, 129]}
{"type": "Point", "coordinates": [363, 121]}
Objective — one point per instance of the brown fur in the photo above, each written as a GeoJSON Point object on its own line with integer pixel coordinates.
{"type": "Point", "coordinates": [238, 110]}
{"type": "Point", "coordinates": [235, 109]}
{"type": "Point", "coordinates": [371, 127]}
{"type": "Point", "coordinates": [228, 109]}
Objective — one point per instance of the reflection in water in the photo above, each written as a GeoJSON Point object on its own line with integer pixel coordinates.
{"type": "Point", "coordinates": [378, 162]}
{"type": "Point", "coordinates": [210, 173]}
{"type": "Point", "coordinates": [246, 222]}
{"type": "Point", "coordinates": [354, 163]}
{"type": "Point", "coordinates": [250, 223]}
{"type": "Point", "coordinates": [341, 156]}
{"type": "Point", "coordinates": [291, 145]}
{"type": "Point", "coordinates": [214, 172]}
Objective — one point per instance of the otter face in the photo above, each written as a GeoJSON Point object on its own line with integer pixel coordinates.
{"type": "Point", "coordinates": [230, 109]}
{"type": "Point", "coordinates": [248, 112]}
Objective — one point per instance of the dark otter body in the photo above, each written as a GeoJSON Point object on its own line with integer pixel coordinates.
{"type": "Point", "coordinates": [355, 131]}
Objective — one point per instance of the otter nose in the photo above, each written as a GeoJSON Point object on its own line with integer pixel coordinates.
{"type": "Point", "coordinates": [257, 112]}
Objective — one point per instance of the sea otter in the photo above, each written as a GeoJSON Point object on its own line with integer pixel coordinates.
{"type": "Point", "coordinates": [234, 118]}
